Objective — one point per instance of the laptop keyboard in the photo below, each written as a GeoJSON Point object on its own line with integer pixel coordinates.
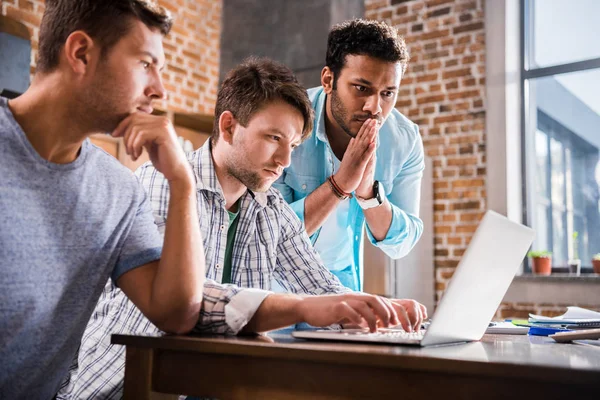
{"type": "Point", "coordinates": [384, 335]}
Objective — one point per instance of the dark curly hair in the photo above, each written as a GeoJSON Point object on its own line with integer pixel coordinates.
{"type": "Point", "coordinates": [106, 21]}
{"type": "Point", "coordinates": [364, 37]}
{"type": "Point", "coordinates": [256, 82]}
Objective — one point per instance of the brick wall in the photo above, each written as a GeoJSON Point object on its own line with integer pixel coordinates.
{"type": "Point", "coordinates": [192, 49]}
{"type": "Point", "coordinates": [444, 93]}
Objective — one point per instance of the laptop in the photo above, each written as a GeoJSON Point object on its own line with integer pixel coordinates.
{"type": "Point", "coordinates": [473, 295]}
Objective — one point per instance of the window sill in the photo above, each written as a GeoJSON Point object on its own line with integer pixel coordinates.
{"type": "Point", "coordinates": [558, 277]}
{"type": "Point", "coordinates": [563, 289]}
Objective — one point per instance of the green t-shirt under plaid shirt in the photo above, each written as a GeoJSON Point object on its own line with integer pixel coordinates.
{"type": "Point", "coordinates": [233, 221]}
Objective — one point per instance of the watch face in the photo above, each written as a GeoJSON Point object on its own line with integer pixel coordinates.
{"type": "Point", "coordinates": [376, 189]}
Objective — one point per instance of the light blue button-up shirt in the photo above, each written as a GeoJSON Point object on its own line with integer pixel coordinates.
{"type": "Point", "coordinates": [399, 168]}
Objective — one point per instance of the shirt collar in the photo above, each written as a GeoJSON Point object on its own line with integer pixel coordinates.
{"type": "Point", "coordinates": [320, 113]}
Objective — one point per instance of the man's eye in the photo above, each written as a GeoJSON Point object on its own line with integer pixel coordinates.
{"type": "Point", "coordinates": [388, 93]}
{"type": "Point", "coordinates": [360, 88]}
{"type": "Point", "coordinates": [145, 64]}
{"type": "Point", "coordinates": [275, 138]}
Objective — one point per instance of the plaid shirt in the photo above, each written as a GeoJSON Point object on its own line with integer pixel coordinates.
{"type": "Point", "coordinates": [270, 245]}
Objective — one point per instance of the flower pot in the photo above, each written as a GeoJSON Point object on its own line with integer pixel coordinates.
{"type": "Point", "coordinates": [596, 265]}
{"type": "Point", "coordinates": [574, 266]}
{"type": "Point", "coordinates": [541, 265]}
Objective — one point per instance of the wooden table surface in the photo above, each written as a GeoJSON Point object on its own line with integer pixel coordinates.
{"type": "Point", "coordinates": [281, 367]}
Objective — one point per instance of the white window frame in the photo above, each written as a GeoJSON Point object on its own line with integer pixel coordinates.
{"type": "Point", "coordinates": [505, 171]}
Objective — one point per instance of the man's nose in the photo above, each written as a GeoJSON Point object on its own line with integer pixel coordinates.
{"type": "Point", "coordinates": [373, 105]}
{"type": "Point", "coordinates": [156, 90]}
{"type": "Point", "coordinates": [283, 157]}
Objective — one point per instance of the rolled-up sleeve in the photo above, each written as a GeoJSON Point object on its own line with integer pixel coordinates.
{"type": "Point", "coordinates": [226, 309]}
{"type": "Point", "coordinates": [404, 197]}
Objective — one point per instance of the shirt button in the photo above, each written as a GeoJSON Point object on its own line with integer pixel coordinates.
{"type": "Point", "coordinates": [304, 187]}
{"type": "Point", "coordinates": [222, 227]}
{"type": "Point", "coordinates": [217, 266]}
{"type": "Point", "coordinates": [356, 237]}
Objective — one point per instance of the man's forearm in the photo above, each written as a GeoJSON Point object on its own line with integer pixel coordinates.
{"type": "Point", "coordinates": [179, 280]}
{"type": "Point", "coordinates": [276, 311]}
{"type": "Point", "coordinates": [379, 220]}
{"type": "Point", "coordinates": [317, 207]}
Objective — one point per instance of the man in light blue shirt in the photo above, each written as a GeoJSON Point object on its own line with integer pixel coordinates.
{"type": "Point", "coordinates": [364, 161]}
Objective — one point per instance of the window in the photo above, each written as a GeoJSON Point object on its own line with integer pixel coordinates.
{"type": "Point", "coordinates": [561, 127]}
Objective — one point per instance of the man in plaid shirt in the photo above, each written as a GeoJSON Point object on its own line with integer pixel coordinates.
{"type": "Point", "coordinates": [251, 236]}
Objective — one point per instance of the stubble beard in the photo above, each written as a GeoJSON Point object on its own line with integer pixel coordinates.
{"type": "Point", "coordinates": [340, 113]}
{"type": "Point", "coordinates": [251, 179]}
{"type": "Point", "coordinates": [100, 107]}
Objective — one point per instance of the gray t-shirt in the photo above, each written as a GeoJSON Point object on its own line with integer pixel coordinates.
{"type": "Point", "coordinates": [64, 229]}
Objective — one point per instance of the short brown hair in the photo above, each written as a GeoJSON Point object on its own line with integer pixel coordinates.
{"type": "Point", "coordinates": [106, 21]}
{"type": "Point", "coordinates": [254, 84]}
{"type": "Point", "coordinates": [363, 37]}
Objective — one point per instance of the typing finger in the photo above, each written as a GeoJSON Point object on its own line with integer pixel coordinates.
{"type": "Point", "coordinates": [403, 317]}
{"type": "Point", "coordinates": [366, 313]}
{"type": "Point", "coordinates": [393, 314]}
{"type": "Point", "coordinates": [345, 313]}
{"type": "Point", "coordinates": [423, 311]}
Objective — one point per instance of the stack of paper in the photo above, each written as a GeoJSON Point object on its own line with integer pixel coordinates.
{"type": "Point", "coordinates": [574, 318]}
{"type": "Point", "coordinates": [506, 327]}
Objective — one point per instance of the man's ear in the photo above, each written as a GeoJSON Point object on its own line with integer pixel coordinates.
{"type": "Point", "coordinates": [227, 124]}
{"type": "Point", "coordinates": [327, 79]}
{"type": "Point", "coordinates": [79, 50]}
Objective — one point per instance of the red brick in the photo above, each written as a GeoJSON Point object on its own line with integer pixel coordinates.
{"type": "Point", "coordinates": [435, 88]}
{"type": "Point", "coordinates": [427, 78]}
{"type": "Point", "coordinates": [471, 217]}
{"type": "Point", "coordinates": [454, 241]}
{"type": "Point", "coordinates": [447, 42]}
{"type": "Point", "coordinates": [435, 34]}
{"type": "Point", "coordinates": [403, 103]}
{"type": "Point", "coordinates": [464, 95]}
{"type": "Point", "coordinates": [466, 183]}
{"type": "Point", "coordinates": [449, 173]}
{"type": "Point", "coordinates": [456, 73]}
{"type": "Point", "coordinates": [450, 151]}
{"type": "Point", "coordinates": [446, 264]}
{"type": "Point", "coordinates": [431, 99]}
{"type": "Point", "coordinates": [458, 252]}
{"type": "Point", "coordinates": [464, 39]}
{"type": "Point", "coordinates": [441, 253]}
{"type": "Point", "coordinates": [438, 230]}
{"type": "Point", "coordinates": [448, 118]}
{"type": "Point", "coordinates": [434, 3]}
{"type": "Point", "coordinates": [467, 28]}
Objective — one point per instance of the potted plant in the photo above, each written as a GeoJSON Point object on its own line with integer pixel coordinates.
{"type": "Point", "coordinates": [541, 262]}
{"type": "Point", "coordinates": [575, 262]}
{"type": "Point", "coordinates": [596, 263]}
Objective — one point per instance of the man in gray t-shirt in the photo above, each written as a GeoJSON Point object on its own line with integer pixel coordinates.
{"type": "Point", "coordinates": [71, 216]}
{"type": "Point", "coordinates": [65, 228]}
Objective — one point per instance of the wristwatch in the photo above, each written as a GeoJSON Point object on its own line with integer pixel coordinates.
{"type": "Point", "coordinates": [376, 201]}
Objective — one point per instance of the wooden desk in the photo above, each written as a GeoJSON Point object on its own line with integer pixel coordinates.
{"type": "Point", "coordinates": [280, 367]}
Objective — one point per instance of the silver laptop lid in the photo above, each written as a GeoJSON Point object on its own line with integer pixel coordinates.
{"type": "Point", "coordinates": [480, 281]}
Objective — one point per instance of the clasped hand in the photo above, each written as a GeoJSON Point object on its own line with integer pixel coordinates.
{"type": "Point", "coordinates": [357, 169]}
